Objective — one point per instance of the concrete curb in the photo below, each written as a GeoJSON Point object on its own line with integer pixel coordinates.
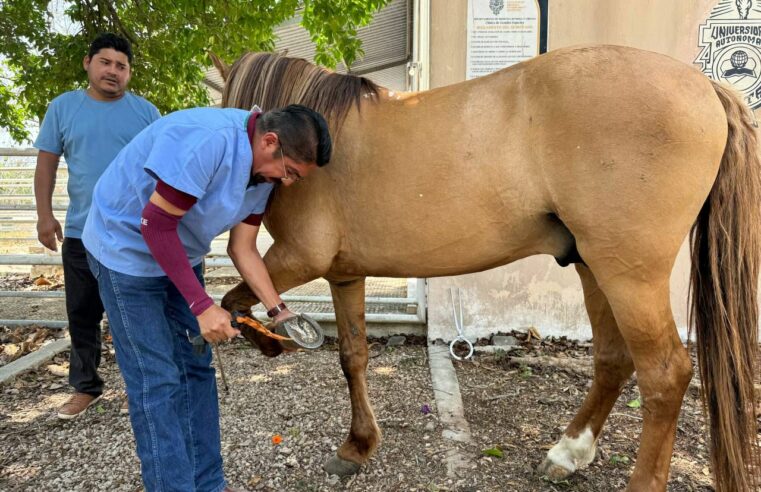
{"type": "Point", "coordinates": [33, 360]}
{"type": "Point", "coordinates": [446, 390]}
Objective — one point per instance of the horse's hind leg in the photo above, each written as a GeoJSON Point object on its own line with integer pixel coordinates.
{"type": "Point", "coordinates": [364, 435]}
{"type": "Point", "coordinates": [640, 302]}
{"type": "Point", "coordinates": [613, 367]}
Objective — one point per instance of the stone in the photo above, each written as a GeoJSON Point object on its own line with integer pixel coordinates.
{"type": "Point", "coordinates": [396, 341]}
{"type": "Point", "coordinates": [504, 341]}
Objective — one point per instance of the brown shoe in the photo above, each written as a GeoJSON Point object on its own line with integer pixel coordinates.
{"type": "Point", "coordinates": [76, 405]}
{"type": "Point", "coordinates": [124, 409]}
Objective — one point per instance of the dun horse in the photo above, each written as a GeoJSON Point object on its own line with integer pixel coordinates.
{"type": "Point", "coordinates": [601, 156]}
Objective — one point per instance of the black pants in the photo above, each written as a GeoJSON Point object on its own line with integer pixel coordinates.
{"type": "Point", "coordinates": [85, 311]}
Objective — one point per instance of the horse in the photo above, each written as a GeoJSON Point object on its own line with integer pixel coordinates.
{"type": "Point", "coordinates": [605, 157]}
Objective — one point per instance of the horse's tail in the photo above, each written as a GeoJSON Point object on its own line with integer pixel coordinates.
{"type": "Point", "coordinates": [726, 246]}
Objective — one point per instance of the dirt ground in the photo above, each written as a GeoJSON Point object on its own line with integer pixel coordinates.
{"type": "Point", "coordinates": [520, 411]}
{"type": "Point", "coordinates": [303, 398]}
{"type": "Point", "coordinates": [523, 410]}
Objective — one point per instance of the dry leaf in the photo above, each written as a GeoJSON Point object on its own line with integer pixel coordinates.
{"type": "Point", "coordinates": [533, 332]}
{"type": "Point", "coordinates": [58, 370]}
{"type": "Point", "coordinates": [11, 349]}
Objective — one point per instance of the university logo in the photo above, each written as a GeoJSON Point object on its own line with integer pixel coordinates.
{"type": "Point", "coordinates": [496, 6]}
{"type": "Point", "coordinates": [731, 47]}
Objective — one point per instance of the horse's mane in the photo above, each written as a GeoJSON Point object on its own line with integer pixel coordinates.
{"type": "Point", "coordinates": [274, 81]}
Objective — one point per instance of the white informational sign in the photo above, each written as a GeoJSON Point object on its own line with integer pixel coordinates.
{"type": "Point", "coordinates": [501, 33]}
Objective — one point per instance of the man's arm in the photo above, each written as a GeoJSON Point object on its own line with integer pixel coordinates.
{"type": "Point", "coordinates": [159, 228]}
{"type": "Point", "coordinates": [48, 228]}
{"type": "Point", "coordinates": [242, 250]}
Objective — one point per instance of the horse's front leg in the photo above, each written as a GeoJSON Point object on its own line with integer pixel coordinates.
{"type": "Point", "coordinates": [287, 270]}
{"type": "Point", "coordinates": [364, 435]}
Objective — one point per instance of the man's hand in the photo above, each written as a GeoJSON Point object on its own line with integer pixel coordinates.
{"type": "Point", "coordinates": [48, 230]}
{"type": "Point", "coordinates": [282, 316]}
{"type": "Point", "coordinates": [215, 325]}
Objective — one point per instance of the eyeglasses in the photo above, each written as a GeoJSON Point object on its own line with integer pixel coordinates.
{"type": "Point", "coordinates": [289, 175]}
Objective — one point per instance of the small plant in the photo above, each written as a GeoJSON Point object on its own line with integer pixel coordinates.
{"type": "Point", "coordinates": [556, 482]}
{"type": "Point", "coordinates": [294, 432]}
{"type": "Point", "coordinates": [496, 452]}
{"type": "Point", "coordinates": [619, 459]}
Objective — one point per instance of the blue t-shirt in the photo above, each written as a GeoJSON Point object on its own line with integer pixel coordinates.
{"type": "Point", "coordinates": [89, 133]}
{"type": "Point", "coordinates": [204, 152]}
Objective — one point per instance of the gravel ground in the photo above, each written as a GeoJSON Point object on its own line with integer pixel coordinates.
{"type": "Point", "coordinates": [301, 397]}
{"type": "Point", "coordinates": [540, 402]}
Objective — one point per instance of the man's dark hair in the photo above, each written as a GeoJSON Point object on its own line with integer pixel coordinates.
{"type": "Point", "coordinates": [113, 41]}
{"type": "Point", "coordinates": [303, 133]}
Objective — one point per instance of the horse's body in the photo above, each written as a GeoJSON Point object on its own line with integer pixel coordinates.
{"type": "Point", "coordinates": [600, 156]}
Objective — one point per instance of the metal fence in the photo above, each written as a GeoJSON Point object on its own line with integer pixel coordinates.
{"type": "Point", "coordinates": [18, 237]}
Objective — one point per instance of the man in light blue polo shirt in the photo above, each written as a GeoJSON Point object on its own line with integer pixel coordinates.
{"type": "Point", "coordinates": [181, 182]}
{"type": "Point", "coordinates": [89, 127]}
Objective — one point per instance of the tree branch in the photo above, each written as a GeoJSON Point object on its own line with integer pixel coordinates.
{"type": "Point", "coordinates": [117, 21]}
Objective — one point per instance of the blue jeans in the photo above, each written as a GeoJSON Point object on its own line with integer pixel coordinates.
{"type": "Point", "coordinates": [172, 392]}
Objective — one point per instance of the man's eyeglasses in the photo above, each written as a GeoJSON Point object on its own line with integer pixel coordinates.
{"type": "Point", "coordinates": [287, 174]}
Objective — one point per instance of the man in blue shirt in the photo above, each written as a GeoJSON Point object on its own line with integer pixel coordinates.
{"type": "Point", "coordinates": [89, 127]}
{"type": "Point", "coordinates": [181, 182]}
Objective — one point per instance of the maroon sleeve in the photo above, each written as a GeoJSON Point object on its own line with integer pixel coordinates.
{"type": "Point", "coordinates": [159, 229]}
{"type": "Point", "coordinates": [254, 219]}
{"type": "Point", "coordinates": [178, 198]}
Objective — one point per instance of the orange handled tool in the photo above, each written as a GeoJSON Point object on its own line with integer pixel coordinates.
{"type": "Point", "coordinates": [240, 319]}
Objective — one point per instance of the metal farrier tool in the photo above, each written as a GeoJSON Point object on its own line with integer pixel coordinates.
{"type": "Point", "coordinates": [199, 348]}
{"type": "Point", "coordinates": [457, 314]}
{"type": "Point", "coordinates": [300, 330]}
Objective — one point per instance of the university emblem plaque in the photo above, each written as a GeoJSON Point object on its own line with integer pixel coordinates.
{"type": "Point", "coordinates": [731, 47]}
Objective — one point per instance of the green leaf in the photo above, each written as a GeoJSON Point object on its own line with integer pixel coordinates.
{"type": "Point", "coordinates": [496, 451]}
{"type": "Point", "coordinates": [170, 41]}
{"type": "Point", "coordinates": [556, 482]}
{"type": "Point", "coordinates": [619, 459]}
{"type": "Point", "coordinates": [636, 403]}
{"type": "Point", "coordinates": [100, 409]}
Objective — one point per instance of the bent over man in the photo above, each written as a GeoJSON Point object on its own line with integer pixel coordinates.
{"type": "Point", "coordinates": [184, 180]}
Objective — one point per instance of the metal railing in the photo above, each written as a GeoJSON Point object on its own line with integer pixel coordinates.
{"type": "Point", "coordinates": [17, 226]}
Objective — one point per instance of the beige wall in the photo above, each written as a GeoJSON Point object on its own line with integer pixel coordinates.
{"type": "Point", "coordinates": [666, 26]}
{"type": "Point", "coordinates": [535, 291]}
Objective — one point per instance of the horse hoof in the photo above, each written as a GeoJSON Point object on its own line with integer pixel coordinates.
{"type": "Point", "coordinates": [234, 303]}
{"type": "Point", "coordinates": [553, 471]}
{"type": "Point", "coordinates": [341, 467]}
